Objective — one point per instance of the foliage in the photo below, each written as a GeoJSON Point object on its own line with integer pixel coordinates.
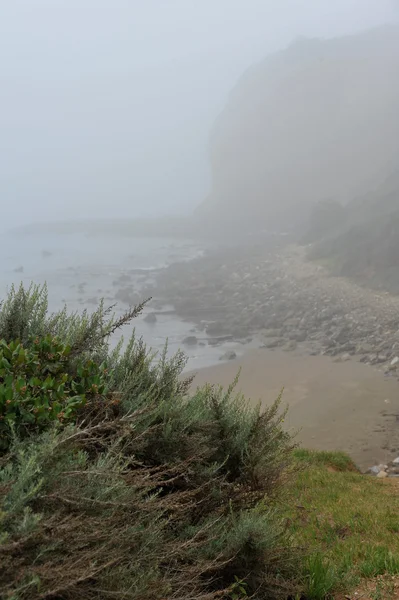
{"type": "Point", "coordinates": [24, 316]}
{"type": "Point", "coordinates": [326, 217]}
{"type": "Point", "coordinates": [348, 521]}
{"type": "Point", "coordinates": [361, 240]}
{"type": "Point", "coordinates": [39, 385]}
{"type": "Point", "coordinates": [149, 491]}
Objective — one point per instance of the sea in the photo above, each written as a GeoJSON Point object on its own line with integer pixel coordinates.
{"type": "Point", "coordinates": [80, 269]}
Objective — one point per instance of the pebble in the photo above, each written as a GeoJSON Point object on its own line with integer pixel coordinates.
{"type": "Point", "coordinates": [190, 340]}
{"type": "Point", "coordinates": [229, 355]}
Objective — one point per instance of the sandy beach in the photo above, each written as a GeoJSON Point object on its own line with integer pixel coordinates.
{"type": "Point", "coordinates": [345, 406]}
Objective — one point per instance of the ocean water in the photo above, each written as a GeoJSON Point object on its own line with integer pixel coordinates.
{"type": "Point", "coordinates": [80, 270]}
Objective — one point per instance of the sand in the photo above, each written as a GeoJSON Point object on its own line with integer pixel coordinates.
{"type": "Point", "coordinates": [335, 406]}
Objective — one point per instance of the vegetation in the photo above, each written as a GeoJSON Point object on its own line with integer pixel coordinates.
{"type": "Point", "coordinates": [348, 523]}
{"type": "Point", "coordinates": [38, 385]}
{"type": "Point", "coordinates": [140, 490]}
{"type": "Point", "coordinates": [133, 487]}
{"type": "Point", "coordinates": [326, 217]}
{"type": "Point", "coordinates": [360, 240]}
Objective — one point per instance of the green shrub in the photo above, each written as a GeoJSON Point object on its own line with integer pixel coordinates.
{"type": "Point", "coordinates": [39, 385]}
{"type": "Point", "coordinates": [158, 497]}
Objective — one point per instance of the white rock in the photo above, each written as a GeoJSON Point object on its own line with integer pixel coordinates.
{"type": "Point", "coordinates": [382, 474]}
{"type": "Point", "coordinates": [396, 461]}
{"type": "Point", "coordinates": [374, 470]}
{"type": "Point", "coordinates": [394, 361]}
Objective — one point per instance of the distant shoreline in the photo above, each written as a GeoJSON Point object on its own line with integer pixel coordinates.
{"type": "Point", "coordinates": [160, 227]}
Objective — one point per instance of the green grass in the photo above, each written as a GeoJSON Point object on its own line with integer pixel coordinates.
{"type": "Point", "coordinates": [348, 523]}
{"type": "Point", "coordinates": [336, 460]}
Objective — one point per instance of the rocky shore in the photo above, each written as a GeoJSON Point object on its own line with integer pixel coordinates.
{"type": "Point", "coordinates": [286, 301]}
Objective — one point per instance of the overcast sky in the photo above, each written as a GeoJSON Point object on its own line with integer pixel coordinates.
{"type": "Point", "coordinates": [106, 105]}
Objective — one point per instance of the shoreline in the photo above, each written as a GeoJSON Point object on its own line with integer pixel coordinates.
{"type": "Point", "coordinates": [287, 302]}
{"type": "Point", "coordinates": [311, 331]}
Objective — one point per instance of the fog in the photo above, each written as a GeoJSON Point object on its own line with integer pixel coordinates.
{"type": "Point", "coordinates": [107, 107]}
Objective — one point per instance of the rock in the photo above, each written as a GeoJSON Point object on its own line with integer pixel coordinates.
{"type": "Point", "coordinates": [381, 358]}
{"type": "Point", "coordinates": [272, 333]}
{"type": "Point", "coordinates": [127, 296]}
{"type": "Point", "coordinates": [342, 335]}
{"type": "Point", "coordinates": [272, 343]}
{"type": "Point", "coordinates": [374, 470]}
{"type": "Point", "coordinates": [395, 461]}
{"type": "Point", "coordinates": [298, 336]}
{"type": "Point", "coordinates": [216, 328]}
{"type": "Point", "coordinates": [289, 346]}
{"type": "Point", "coordinates": [240, 333]}
{"type": "Point", "coordinates": [292, 322]}
{"type": "Point", "coordinates": [229, 355]}
{"type": "Point", "coordinates": [382, 474]}
{"type": "Point", "coordinates": [394, 361]}
{"type": "Point", "coordinates": [124, 278]}
{"type": "Point", "coordinates": [150, 318]}
{"type": "Point", "coordinates": [364, 348]}
{"type": "Point", "coordinates": [190, 340]}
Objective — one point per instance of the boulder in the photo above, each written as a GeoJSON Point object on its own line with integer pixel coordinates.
{"type": "Point", "coordinates": [150, 318]}
{"type": "Point", "coordinates": [190, 340]}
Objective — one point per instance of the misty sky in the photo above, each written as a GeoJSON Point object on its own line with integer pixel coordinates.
{"type": "Point", "coordinates": [106, 105]}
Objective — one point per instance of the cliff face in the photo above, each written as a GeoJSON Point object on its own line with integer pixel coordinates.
{"type": "Point", "coordinates": [318, 120]}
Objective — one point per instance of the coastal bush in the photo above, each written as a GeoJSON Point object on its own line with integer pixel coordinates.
{"type": "Point", "coordinates": [37, 385]}
{"type": "Point", "coordinates": [147, 490]}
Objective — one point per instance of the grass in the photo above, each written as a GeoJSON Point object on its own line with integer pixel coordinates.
{"type": "Point", "coordinates": [348, 522]}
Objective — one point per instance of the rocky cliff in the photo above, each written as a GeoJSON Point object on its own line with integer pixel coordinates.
{"type": "Point", "coordinates": [316, 121]}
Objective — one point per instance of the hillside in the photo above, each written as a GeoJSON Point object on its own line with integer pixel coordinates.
{"type": "Point", "coordinates": [364, 244]}
{"type": "Point", "coordinates": [315, 121]}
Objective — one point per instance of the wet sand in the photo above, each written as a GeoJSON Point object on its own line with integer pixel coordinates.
{"type": "Point", "coordinates": [336, 406]}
